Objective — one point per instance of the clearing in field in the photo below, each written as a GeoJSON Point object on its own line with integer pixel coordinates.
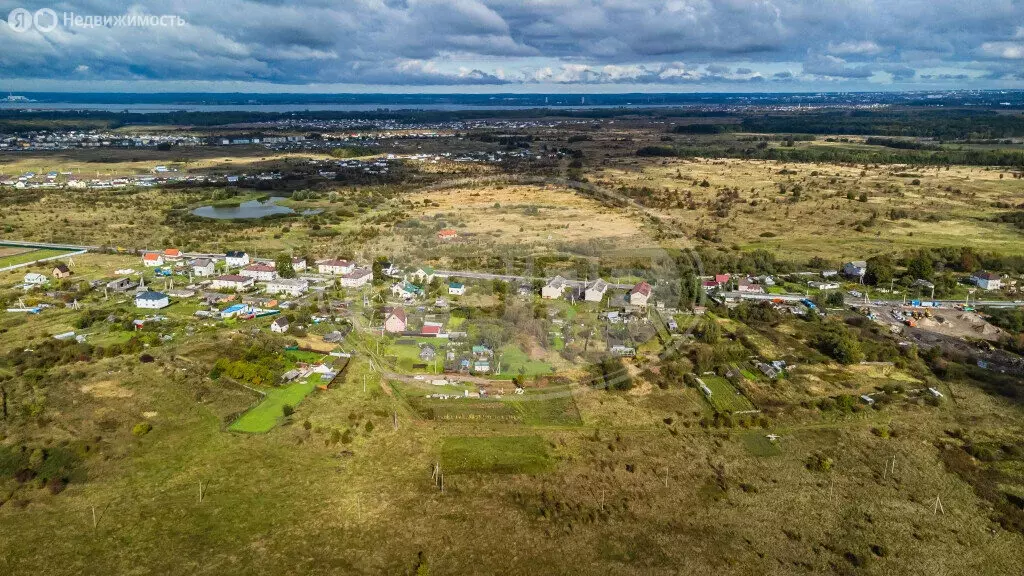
{"type": "Point", "coordinates": [527, 214]}
{"type": "Point", "coordinates": [724, 396]}
{"type": "Point", "coordinates": [265, 415]}
{"type": "Point", "coordinates": [758, 444]}
{"type": "Point", "coordinates": [13, 255]}
{"type": "Point", "coordinates": [495, 454]}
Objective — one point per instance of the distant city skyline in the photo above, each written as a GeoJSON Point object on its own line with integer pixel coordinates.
{"type": "Point", "coordinates": [511, 46]}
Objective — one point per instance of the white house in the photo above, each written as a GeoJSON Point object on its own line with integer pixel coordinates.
{"type": "Point", "coordinates": [640, 294]}
{"type": "Point", "coordinates": [152, 259]}
{"type": "Point", "coordinates": [456, 289]}
{"type": "Point", "coordinates": [259, 272]}
{"type": "Point", "coordinates": [152, 300]}
{"type": "Point", "coordinates": [406, 290]}
{"type": "Point", "coordinates": [299, 264]}
{"type": "Point", "coordinates": [287, 286]}
{"type": "Point", "coordinates": [203, 267]}
{"type": "Point", "coordinates": [987, 280]}
{"type": "Point", "coordinates": [423, 274]}
{"type": "Point", "coordinates": [555, 288]}
{"type": "Point", "coordinates": [35, 279]}
{"type": "Point", "coordinates": [232, 282]}
{"type": "Point", "coordinates": [595, 291]}
{"type": "Point", "coordinates": [357, 277]}
{"type": "Point", "coordinates": [279, 325]}
{"type": "Point", "coordinates": [236, 259]}
{"type": "Point", "coordinates": [336, 267]}
{"type": "Point", "coordinates": [855, 269]}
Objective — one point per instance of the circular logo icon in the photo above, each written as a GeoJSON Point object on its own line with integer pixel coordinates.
{"type": "Point", "coordinates": [20, 20]}
{"type": "Point", "coordinates": [45, 20]}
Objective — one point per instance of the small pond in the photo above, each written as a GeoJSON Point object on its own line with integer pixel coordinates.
{"type": "Point", "coordinates": [249, 210]}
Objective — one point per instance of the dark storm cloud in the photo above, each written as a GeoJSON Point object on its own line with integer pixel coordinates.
{"type": "Point", "coordinates": [495, 42]}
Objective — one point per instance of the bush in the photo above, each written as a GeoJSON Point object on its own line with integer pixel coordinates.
{"type": "Point", "coordinates": [288, 410]}
{"type": "Point", "coordinates": [819, 463]}
{"type": "Point", "coordinates": [142, 428]}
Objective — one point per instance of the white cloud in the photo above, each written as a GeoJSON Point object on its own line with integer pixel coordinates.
{"type": "Point", "coordinates": [862, 47]}
{"type": "Point", "coordinates": [1006, 50]}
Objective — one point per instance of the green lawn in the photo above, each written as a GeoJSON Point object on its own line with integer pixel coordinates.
{"type": "Point", "coordinates": [265, 415]}
{"type": "Point", "coordinates": [724, 397]}
{"type": "Point", "coordinates": [758, 444]}
{"type": "Point", "coordinates": [31, 256]}
{"type": "Point", "coordinates": [495, 454]}
{"type": "Point", "coordinates": [405, 356]}
{"type": "Point", "coordinates": [304, 356]}
{"type": "Point", "coordinates": [515, 362]}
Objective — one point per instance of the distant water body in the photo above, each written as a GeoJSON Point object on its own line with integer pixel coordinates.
{"type": "Point", "coordinates": [285, 108]}
{"type": "Point", "coordinates": [248, 210]}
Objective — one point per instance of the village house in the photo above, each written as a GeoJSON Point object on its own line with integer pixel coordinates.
{"type": "Point", "coordinates": [428, 353]}
{"type": "Point", "coordinates": [856, 269]}
{"type": "Point", "coordinates": [299, 264]}
{"type": "Point", "coordinates": [35, 279]}
{"type": "Point", "coordinates": [987, 280]}
{"type": "Point", "coordinates": [172, 254]}
{"type": "Point", "coordinates": [335, 266]}
{"type": "Point", "coordinates": [423, 274]}
{"type": "Point", "coordinates": [236, 259]}
{"type": "Point", "coordinates": [555, 288]}
{"type": "Point", "coordinates": [823, 285]}
{"type": "Point", "coordinates": [395, 321]}
{"type": "Point", "coordinates": [293, 288]}
{"type": "Point", "coordinates": [640, 294]}
{"type": "Point", "coordinates": [61, 271]}
{"type": "Point", "coordinates": [456, 289]}
{"type": "Point", "coordinates": [279, 325]}
{"type": "Point", "coordinates": [120, 285]}
{"type": "Point", "coordinates": [203, 267]}
{"type": "Point", "coordinates": [259, 272]}
{"type": "Point", "coordinates": [232, 282]}
{"type": "Point", "coordinates": [152, 300]}
{"type": "Point", "coordinates": [447, 234]}
{"type": "Point", "coordinates": [595, 291]}
{"type": "Point", "coordinates": [431, 329]}
{"type": "Point", "coordinates": [357, 277]}
{"type": "Point", "coordinates": [152, 259]}
{"type": "Point", "coordinates": [406, 291]}
{"type": "Point", "coordinates": [745, 285]}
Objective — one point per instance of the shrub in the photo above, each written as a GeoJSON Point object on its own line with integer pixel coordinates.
{"type": "Point", "coordinates": [142, 428]}
{"type": "Point", "coordinates": [288, 410]}
{"type": "Point", "coordinates": [818, 463]}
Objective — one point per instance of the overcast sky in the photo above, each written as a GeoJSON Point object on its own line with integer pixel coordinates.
{"type": "Point", "coordinates": [520, 45]}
